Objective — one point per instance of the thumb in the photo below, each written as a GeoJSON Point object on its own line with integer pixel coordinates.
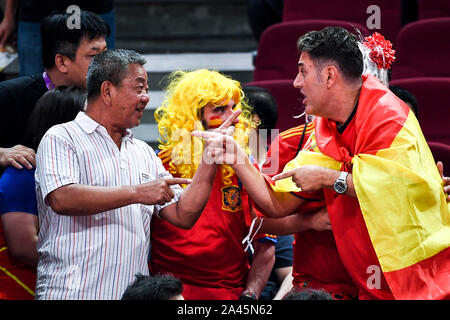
{"type": "Point", "coordinates": [230, 131]}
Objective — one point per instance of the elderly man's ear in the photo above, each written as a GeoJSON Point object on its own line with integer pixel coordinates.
{"type": "Point", "coordinates": [106, 92]}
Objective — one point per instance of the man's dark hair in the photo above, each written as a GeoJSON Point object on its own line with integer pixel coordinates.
{"type": "Point", "coordinates": [334, 44]}
{"type": "Point", "coordinates": [58, 38]}
{"type": "Point", "coordinates": [307, 294]}
{"type": "Point", "coordinates": [407, 97]}
{"type": "Point", "coordinates": [112, 66]}
{"type": "Point", "coordinates": [56, 106]}
{"type": "Point", "coordinates": [159, 287]}
{"type": "Point", "coordinates": [264, 105]}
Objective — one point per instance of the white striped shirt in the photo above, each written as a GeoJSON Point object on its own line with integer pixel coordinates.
{"type": "Point", "coordinates": [96, 256]}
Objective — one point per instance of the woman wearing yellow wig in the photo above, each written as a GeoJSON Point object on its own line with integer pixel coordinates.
{"type": "Point", "coordinates": [209, 258]}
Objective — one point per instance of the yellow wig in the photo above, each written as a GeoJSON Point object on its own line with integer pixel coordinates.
{"type": "Point", "coordinates": [187, 93]}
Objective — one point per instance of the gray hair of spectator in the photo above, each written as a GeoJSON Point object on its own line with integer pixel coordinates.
{"type": "Point", "coordinates": [112, 66]}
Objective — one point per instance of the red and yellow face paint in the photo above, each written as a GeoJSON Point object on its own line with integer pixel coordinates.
{"type": "Point", "coordinates": [214, 122]}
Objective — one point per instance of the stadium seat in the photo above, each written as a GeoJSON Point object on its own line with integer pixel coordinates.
{"type": "Point", "coordinates": [348, 10]}
{"type": "Point", "coordinates": [289, 102]}
{"type": "Point", "coordinates": [277, 51]}
{"type": "Point", "coordinates": [422, 49]}
{"type": "Point", "coordinates": [441, 152]}
{"type": "Point", "coordinates": [429, 9]}
{"type": "Point", "coordinates": [433, 99]}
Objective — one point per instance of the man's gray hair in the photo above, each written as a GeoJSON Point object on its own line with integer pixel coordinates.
{"type": "Point", "coordinates": [112, 66]}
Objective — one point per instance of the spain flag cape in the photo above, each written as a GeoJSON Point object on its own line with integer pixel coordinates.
{"type": "Point", "coordinates": [401, 210]}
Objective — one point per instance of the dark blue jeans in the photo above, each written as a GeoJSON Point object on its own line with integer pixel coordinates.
{"type": "Point", "coordinates": [30, 48]}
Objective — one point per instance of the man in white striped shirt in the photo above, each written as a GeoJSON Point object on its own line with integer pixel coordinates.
{"type": "Point", "coordinates": [97, 188]}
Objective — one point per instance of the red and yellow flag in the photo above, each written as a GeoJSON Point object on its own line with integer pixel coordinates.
{"type": "Point", "coordinates": [401, 217]}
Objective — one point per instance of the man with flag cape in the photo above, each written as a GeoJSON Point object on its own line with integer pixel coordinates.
{"type": "Point", "coordinates": [384, 196]}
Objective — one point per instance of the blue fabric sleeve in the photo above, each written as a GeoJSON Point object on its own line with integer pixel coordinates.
{"type": "Point", "coordinates": [283, 252]}
{"type": "Point", "coordinates": [17, 191]}
{"type": "Point", "coordinates": [268, 237]}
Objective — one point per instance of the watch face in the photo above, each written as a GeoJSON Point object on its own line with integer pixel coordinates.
{"type": "Point", "coordinates": [340, 187]}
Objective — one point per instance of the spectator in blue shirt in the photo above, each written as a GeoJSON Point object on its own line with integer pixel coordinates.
{"type": "Point", "coordinates": [18, 207]}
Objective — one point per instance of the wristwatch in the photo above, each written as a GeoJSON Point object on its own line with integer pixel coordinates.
{"type": "Point", "coordinates": [340, 185]}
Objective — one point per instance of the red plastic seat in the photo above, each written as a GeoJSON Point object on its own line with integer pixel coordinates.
{"type": "Point", "coordinates": [433, 99]}
{"type": "Point", "coordinates": [289, 102]}
{"type": "Point", "coordinates": [423, 49]}
{"type": "Point", "coordinates": [348, 10]}
{"type": "Point", "coordinates": [277, 51]}
{"type": "Point", "coordinates": [429, 9]}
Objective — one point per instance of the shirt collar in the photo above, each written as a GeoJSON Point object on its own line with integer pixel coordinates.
{"type": "Point", "coordinates": [341, 128]}
{"type": "Point", "coordinates": [86, 123]}
{"type": "Point", "coordinates": [129, 134]}
{"type": "Point", "coordinates": [89, 125]}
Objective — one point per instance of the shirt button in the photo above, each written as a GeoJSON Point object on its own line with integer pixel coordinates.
{"type": "Point", "coordinates": [305, 284]}
{"type": "Point", "coordinates": [123, 164]}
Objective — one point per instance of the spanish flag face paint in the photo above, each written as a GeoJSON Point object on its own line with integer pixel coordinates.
{"type": "Point", "coordinates": [214, 116]}
{"type": "Point", "coordinates": [214, 122]}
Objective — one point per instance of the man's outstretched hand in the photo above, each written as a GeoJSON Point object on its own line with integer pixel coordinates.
{"type": "Point", "coordinates": [157, 191]}
{"type": "Point", "coordinates": [220, 146]}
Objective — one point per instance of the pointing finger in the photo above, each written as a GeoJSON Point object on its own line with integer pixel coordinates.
{"type": "Point", "coordinates": [230, 120]}
{"type": "Point", "coordinates": [172, 181]}
{"type": "Point", "coordinates": [283, 175]}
